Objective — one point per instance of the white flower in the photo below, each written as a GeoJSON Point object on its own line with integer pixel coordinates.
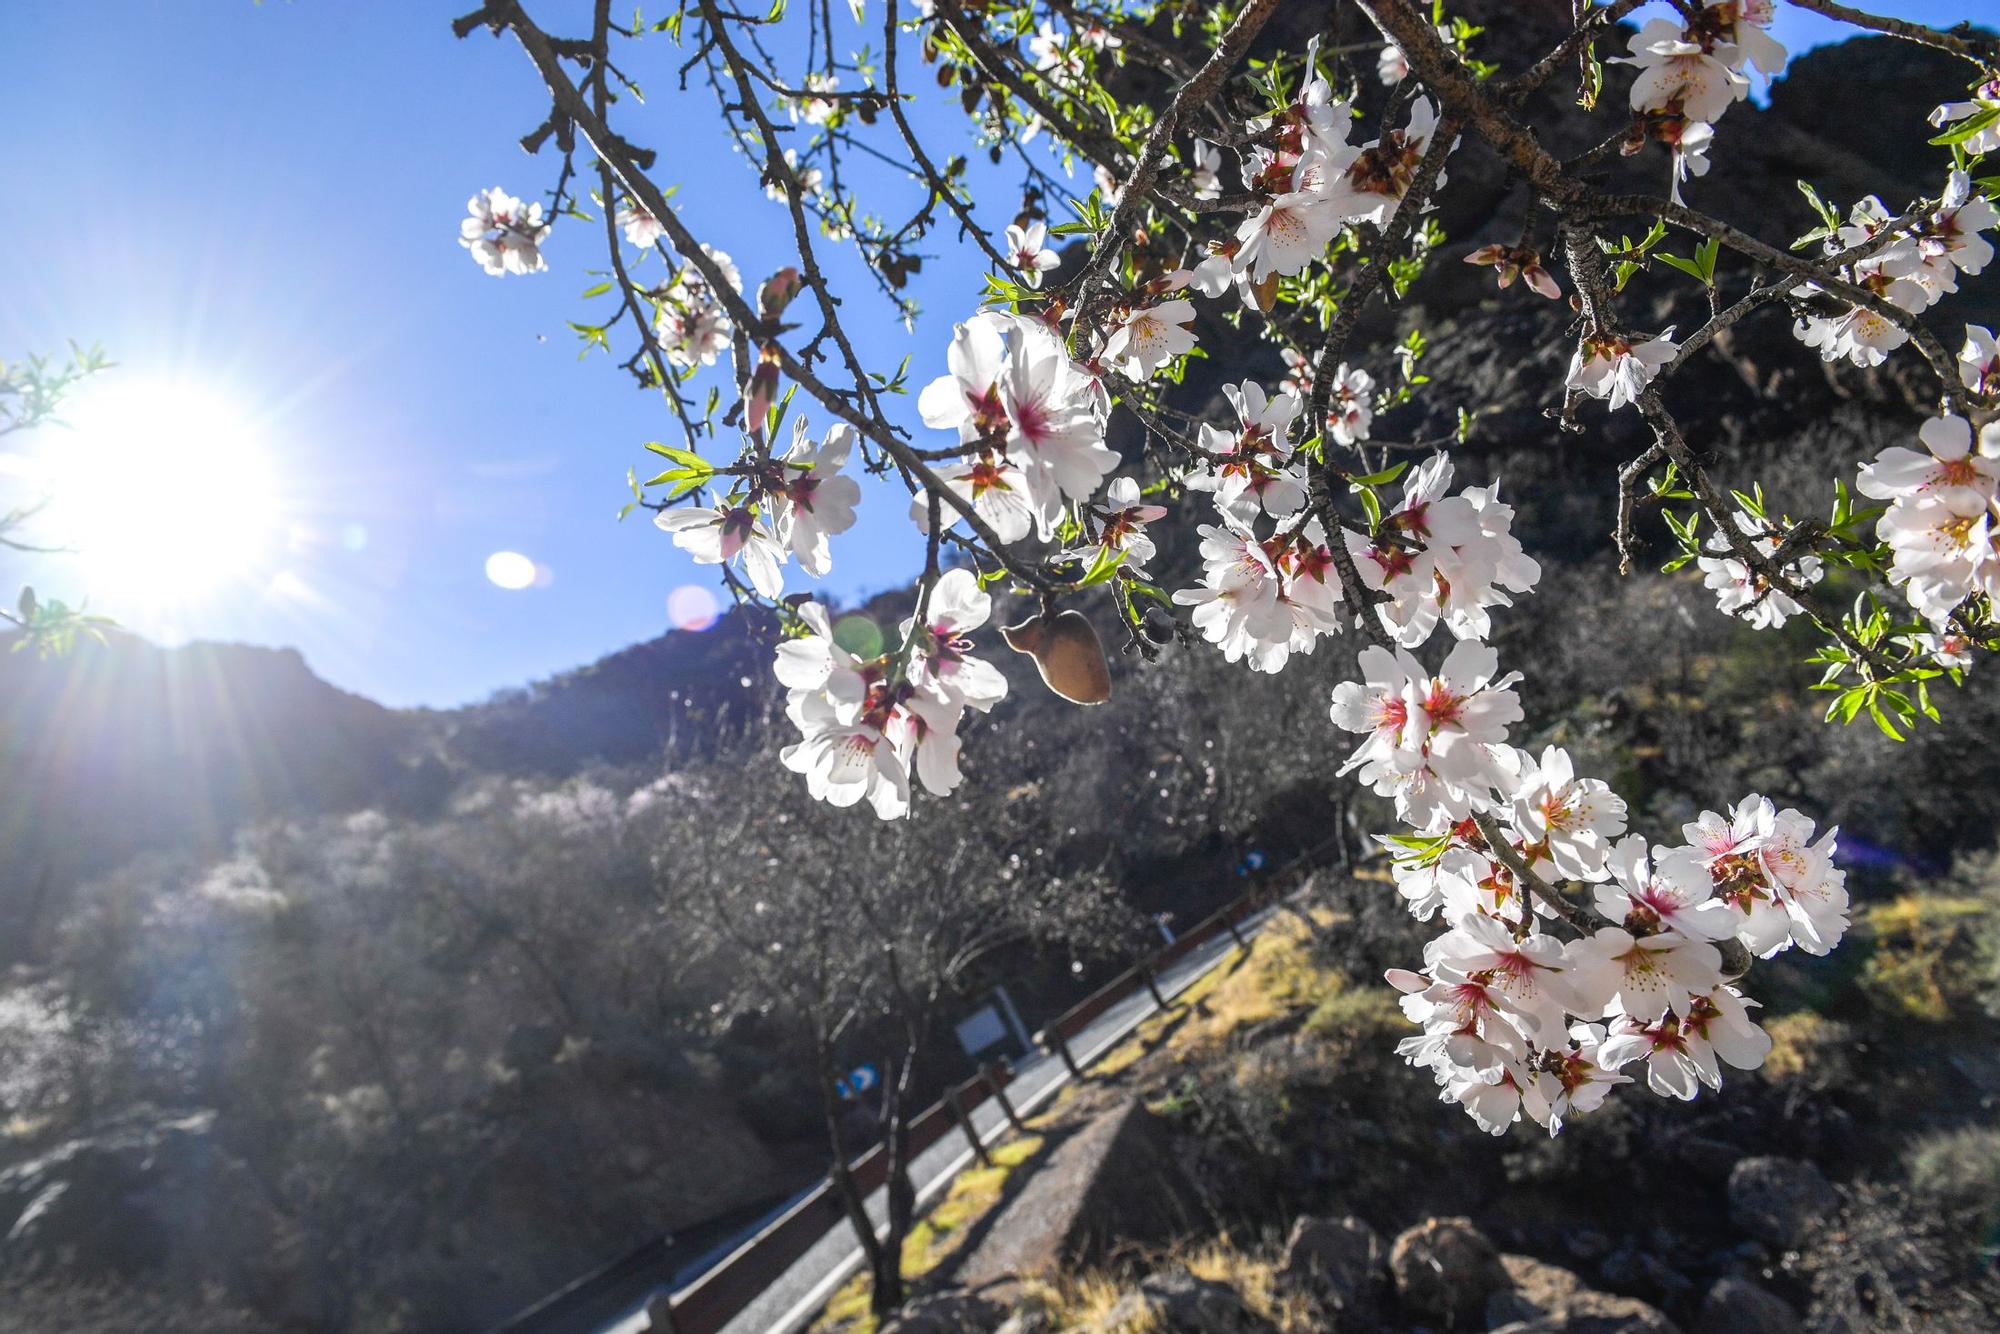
{"type": "Point", "coordinates": [1390, 66]}
{"type": "Point", "coordinates": [1350, 405]}
{"type": "Point", "coordinates": [1149, 337]}
{"type": "Point", "coordinates": [813, 662]}
{"type": "Point", "coordinates": [807, 179]}
{"type": "Point", "coordinates": [691, 325]}
{"type": "Point", "coordinates": [942, 662]}
{"type": "Point", "coordinates": [1609, 367]}
{"type": "Point", "coordinates": [1740, 25]}
{"type": "Point", "coordinates": [998, 493]}
{"type": "Point", "coordinates": [1284, 236]}
{"type": "Point", "coordinates": [504, 234]}
{"type": "Point", "coordinates": [1943, 551]}
{"type": "Point", "coordinates": [1682, 1051]}
{"type": "Point", "coordinates": [1809, 887]}
{"type": "Point", "coordinates": [1948, 469]}
{"type": "Point", "coordinates": [641, 228]}
{"type": "Point", "coordinates": [1859, 334]}
{"type": "Point", "coordinates": [1027, 250]}
{"type": "Point", "coordinates": [818, 501]}
{"type": "Point", "coordinates": [815, 110]}
{"type": "Point", "coordinates": [1566, 822]}
{"type": "Point", "coordinates": [1979, 361]}
{"type": "Point", "coordinates": [718, 535]}
{"type": "Point", "coordinates": [1677, 75]}
{"type": "Point", "coordinates": [1122, 527]}
{"type": "Point", "coordinates": [848, 759]}
{"type": "Point", "coordinates": [1740, 590]}
{"type": "Point", "coordinates": [1644, 976]}
{"type": "Point", "coordinates": [1668, 888]}
{"type": "Point", "coordinates": [1576, 1080]}
{"type": "Point", "coordinates": [1369, 188]}
{"type": "Point", "coordinates": [1531, 972]}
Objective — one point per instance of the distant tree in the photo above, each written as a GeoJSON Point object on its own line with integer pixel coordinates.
{"type": "Point", "coordinates": [855, 931]}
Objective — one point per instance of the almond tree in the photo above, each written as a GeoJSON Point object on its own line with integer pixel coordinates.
{"type": "Point", "coordinates": [1572, 949]}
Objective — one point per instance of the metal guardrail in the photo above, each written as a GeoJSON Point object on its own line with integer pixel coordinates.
{"type": "Point", "coordinates": [711, 1301]}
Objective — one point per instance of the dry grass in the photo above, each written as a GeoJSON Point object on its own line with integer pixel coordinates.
{"type": "Point", "coordinates": [1085, 1300]}
{"type": "Point", "coordinates": [1925, 964]}
{"type": "Point", "coordinates": [934, 1237]}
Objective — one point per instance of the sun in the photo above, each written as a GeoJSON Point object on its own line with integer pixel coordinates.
{"type": "Point", "coordinates": [166, 492]}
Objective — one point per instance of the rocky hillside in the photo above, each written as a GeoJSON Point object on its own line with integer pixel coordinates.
{"type": "Point", "coordinates": [1258, 1160]}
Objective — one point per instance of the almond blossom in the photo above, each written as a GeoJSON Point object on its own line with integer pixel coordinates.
{"type": "Point", "coordinates": [728, 534]}
{"type": "Point", "coordinates": [504, 234]}
{"type": "Point", "coordinates": [1149, 337]}
{"type": "Point", "coordinates": [1742, 591]}
{"type": "Point", "coordinates": [941, 662]}
{"type": "Point", "coordinates": [1663, 889]}
{"type": "Point", "coordinates": [641, 228]}
{"type": "Point", "coordinates": [1979, 361]}
{"type": "Point", "coordinates": [1122, 527]}
{"type": "Point", "coordinates": [817, 499]}
{"type": "Point", "coordinates": [1643, 976]}
{"type": "Point", "coordinates": [1566, 823]}
{"type": "Point", "coordinates": [1027, 249]}
{"type": "Point", "coordinates": [1678, 74]}
{"type": "Point", "coordinates": [1610, 367]}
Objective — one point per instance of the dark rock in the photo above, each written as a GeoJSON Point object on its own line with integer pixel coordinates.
{"type": "Point", "coordinates": [1114, 1180]}
{"type": "Point", "coordinates": [1637, 1268]}
{"type": "Point", "coordinates": [947, 1313]}
{"type": "Point", "coordinates": [1548, 1297]}
{"type": "Point", "coordinates": [1179, 1303]}
{"type": "Point", "coordinates": [1445, 1269]}
{"type": "Point", "coordinates": [1709, 1159]}
{"type": "Point", "coordinates": [1342, 1261]}
{"type": "Point", "coordinates": [1779, 1200]}
{"type": "Point", "coordinates": [1738, 1306]}
{"type": "Point", "coordinates": [1586, 1243]}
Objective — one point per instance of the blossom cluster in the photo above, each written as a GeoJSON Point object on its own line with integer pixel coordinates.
{"type": "Point", "coordinates": [1689, 74]}
{"type": "Point", "coordinates": [782, 508]}
{"type": "Point", "coordinates": [504, 235]}
{"type": "Point", "coordinates": [866, 727]}
{"type": "Point", "coordinates": [1940, 523]}
{"type": "Point", "coordinates": [1518, 1022]}
{"type": "Point", "coordinates": [1910, 265]}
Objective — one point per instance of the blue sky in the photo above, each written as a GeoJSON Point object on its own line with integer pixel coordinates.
{"type": "Point", "coordinates": [260, 203]}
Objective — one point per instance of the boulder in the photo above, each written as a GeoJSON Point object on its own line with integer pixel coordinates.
{"type": "Point", "coordinates": [1341, 1261]}
{"type": "Point", "coordinates": [1738, 1306]}
{"type": "Point", "coordinates": [1176, 1302]}
{"type": "Point", "coordinates": [1548, 1298]}
{"type": "Point", "coordinates": [1445, 1269]}
{"type": "Point", "coordinates": [947, 1313]}
{"type": "Point", "coordinates": [1779, 1200]}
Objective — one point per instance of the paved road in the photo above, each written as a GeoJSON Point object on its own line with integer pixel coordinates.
{"type": "Point", "coordinates": [792, 1301]}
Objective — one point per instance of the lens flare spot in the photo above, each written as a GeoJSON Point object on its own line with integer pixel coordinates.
{"type": "Point", "coordinates": [692, 607]}
{"type": "Point", "coordinates": [859, 635]}
{"type": "Point", "coordinates": [511, 570]}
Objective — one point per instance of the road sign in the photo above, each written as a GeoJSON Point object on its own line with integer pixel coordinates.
{"type": "Point", "coordinates": [859, 1080]}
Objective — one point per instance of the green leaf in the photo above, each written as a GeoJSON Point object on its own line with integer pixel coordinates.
{"type": "Point", "coordinates": [1968, 127]}
{"type": "Point", "coordinates": [1103, 568]}
{"type": "Point", "coordinates": [1383, 478]}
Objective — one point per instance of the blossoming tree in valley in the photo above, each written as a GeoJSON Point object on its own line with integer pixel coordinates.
{"type": "Point", "coordinates": [1198, 165]}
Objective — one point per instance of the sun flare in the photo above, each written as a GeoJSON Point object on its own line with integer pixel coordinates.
{"type": "Point", "coordinates": [167, 492]}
